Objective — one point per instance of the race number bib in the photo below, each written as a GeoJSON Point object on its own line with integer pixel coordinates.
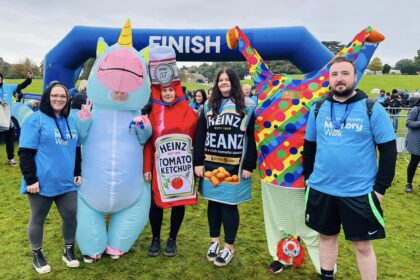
{"type": "Point", "coordinates": [174, 166]}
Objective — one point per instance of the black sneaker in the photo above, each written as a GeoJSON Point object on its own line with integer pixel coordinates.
{"type": "Point", "coordinates": [224, 257]}
{"type": "Point", "coordinates": [409, 188]}
{"type": "Point", "coordinates": [154, 249]}
{"type": "Point", "coordinates": [40, 263]}
{"type": "Point", "coordinates": [69, 257]}
{"type": "Point", "coordinates": [170, 250]}
{"type": "Point", "coordinates": [275, 267]}
{"type": "Point", "coordinates": [213, 251]}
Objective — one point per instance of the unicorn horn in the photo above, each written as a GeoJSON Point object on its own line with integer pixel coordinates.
{"type": "Point", "coordinates": [126, 39]}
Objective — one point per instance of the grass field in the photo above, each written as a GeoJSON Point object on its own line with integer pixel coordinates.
{"type": "Point", "coordinates": [397, 255]}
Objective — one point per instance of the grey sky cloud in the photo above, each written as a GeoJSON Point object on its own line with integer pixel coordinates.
{"type": "Point", "coordinates": [32, 28]}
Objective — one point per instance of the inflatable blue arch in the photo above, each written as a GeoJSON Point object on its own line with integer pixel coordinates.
{"type": "Point", "coordinates": [296, 44]}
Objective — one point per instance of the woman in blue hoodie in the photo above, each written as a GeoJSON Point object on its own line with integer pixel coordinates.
{"type": "Point", "coordinates": [51, 171]}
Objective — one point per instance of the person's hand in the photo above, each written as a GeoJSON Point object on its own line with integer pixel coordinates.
{"type": "Point", "coordinates": [199, 171]}
{"type": "Point", "coordinates": [35, 104]}
{"type": "Point", "coordinates": [30, 74]}
{"type": "Point", "coordinates": [379, 196]}
{"type": "Point", "coordinates": [34, 188]}
{"type": "Point", "coordinates": [148, 177]}
{"type": "Point", "coordinates": [246, 174]}
{"type": "Point", "coordinates": [85, 113]}
{"type": "Point", "coordinates": [141, 121]}
{"type": "Point", "coordinates": [77, 180]}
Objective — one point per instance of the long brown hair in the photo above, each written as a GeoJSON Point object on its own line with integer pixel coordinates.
{"type": "Point", "coordinates": [236, 94]}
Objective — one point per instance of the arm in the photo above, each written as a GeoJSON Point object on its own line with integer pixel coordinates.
{"type": "Point", "coordinates": [83, 120]}
{"type": "Point", "coordinates": [309, 152]}
{"type": "Point", "coordinates": [148, 161]}
{"type": "Point", "coordinates": [384, 137]}
{"type": "Point", "coordinates": [148, 157]}
{"type": "Point", "coordinates": [25, 83]}
{"type": "Point", "coordinates": [27, 165]}
{"type": "Point", "coordinates": [412, 118]}
{"type": "Point", "coordinates": [257, 67]}
{"type": "Point", "coordinates": [309, 146]}
{"type": "Point", "coordinates": [143, 129]}
{"type": "Point", "coordinates": [386, 167]}
{"type": "Point", "coordinates": [250, 161]}
{"type": "Point", "coordinates": [200, 139]}
{"type": "Point", "coordinates": [78, 162]}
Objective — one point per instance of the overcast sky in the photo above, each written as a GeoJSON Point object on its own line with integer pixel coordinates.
{"type": "Point", "coordinates": [32, 28]}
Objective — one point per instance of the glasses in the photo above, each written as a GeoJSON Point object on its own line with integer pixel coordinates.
{"type": "Point", "coordinates": [58, 96]}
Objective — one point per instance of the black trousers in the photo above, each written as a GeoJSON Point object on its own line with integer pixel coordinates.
{"type": "Point", "coordinates": [9, 137]}
{"type": "Point", "coordinates": [156, 217]}
{"type": "Point", "coordinates": [40, 207]}
{"type": "Point", "coordinates": [412, 166]}
{"type": "Point", "coordinates": [228, 215]}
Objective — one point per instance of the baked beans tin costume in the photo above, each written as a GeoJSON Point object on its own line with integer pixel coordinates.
{"type": "Point", "coordinates": [112, 164]}
{"type": "Point", "coordinates": [169, 152]}
{"type": "Point", "coordinates": [280, 121]}
{"type": "Point", "coordinates": [225, 151]}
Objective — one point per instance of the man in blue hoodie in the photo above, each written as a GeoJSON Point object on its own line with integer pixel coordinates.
{"type": "Point", "coordinates": [345, 184]}
{"type": "Point", "coordinates": [6, 95]}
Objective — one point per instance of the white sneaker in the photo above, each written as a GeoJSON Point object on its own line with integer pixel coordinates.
{"type": "Point", "coordinates": [213, 251]}
{"type": "Point", "coordinates": [12, 162]}
{"type": "Point", "coordinates": [115, 257]}
{"type": "Point", "coordinates": [224, 257]}
{"type": "Point", "coordinates": [40, 263]}
{"type": "Point", "coordinates": [69, 256]}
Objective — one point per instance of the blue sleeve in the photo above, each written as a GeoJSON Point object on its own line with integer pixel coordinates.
{"type": "Point", "coordinates": [310, 134]}
{"type": "Point", "coordinates": [30, 132]}
{"type": "Point", "coordinates": [8, 91]}
{"type": "Point", "coordinates": [381, 125]}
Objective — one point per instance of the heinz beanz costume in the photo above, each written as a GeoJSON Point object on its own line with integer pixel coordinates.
{"type": "Point", "coordinates": [112, 164]}
{"type": "Point", "coordinates": [169, 153]}
{"type": "Point", "coordinates": [225, 151]}
{"type": "Point", "coordinates": [280, 122]}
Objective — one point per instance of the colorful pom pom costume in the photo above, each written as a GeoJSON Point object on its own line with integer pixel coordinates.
{"type": "Point", "coordinates": [112, 153]}
{"type": "Point", "coordinates": [281, 115]}
{"type": "Point", "coordinates": [169, 152]}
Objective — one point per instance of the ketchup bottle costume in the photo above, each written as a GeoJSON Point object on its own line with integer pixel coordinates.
{"type": "Point", "coordinates": [169, 152]}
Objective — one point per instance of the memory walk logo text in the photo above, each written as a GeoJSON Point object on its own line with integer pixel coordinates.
{"type": "Point", "coordinates": [329, 129]}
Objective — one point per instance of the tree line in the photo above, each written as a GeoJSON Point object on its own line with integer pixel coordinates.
{"type": "Point", "coordinates": [209, 70]}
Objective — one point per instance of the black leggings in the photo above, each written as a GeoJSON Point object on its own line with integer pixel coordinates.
{"type": "Point", "coordinates": [156, 217]}
{"type": "Point", "coordinates": [412, 166]}
{"type": "Point", "coordinates": [9, 137]}
{"type": "Point", "coordinates": [228, 215]}
{"type": "Point", "coordinates": [40, 206]}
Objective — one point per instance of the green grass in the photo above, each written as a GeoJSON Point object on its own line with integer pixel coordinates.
{"type": "Point", "coordinates": [389, 82]}
{"type": "Point", "coordinates": [398, 254]}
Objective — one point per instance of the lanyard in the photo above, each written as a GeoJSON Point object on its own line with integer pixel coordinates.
{"type": "Point", "coordinates": [61, 124]}
{"type": "Point", "coordinates": [338, 123]}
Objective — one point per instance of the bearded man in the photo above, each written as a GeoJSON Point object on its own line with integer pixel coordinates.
{"type": "Point", "coordinates": [345, 184]}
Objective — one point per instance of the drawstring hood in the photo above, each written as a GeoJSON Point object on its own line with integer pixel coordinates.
{"type": "Point", "coordinates": [349, 106]}
{"type": "Point", "coordinates": [46, 108]}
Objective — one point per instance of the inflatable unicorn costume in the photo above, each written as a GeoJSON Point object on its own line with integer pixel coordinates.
{"type": "Point", "coordinates": [112, 151]}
